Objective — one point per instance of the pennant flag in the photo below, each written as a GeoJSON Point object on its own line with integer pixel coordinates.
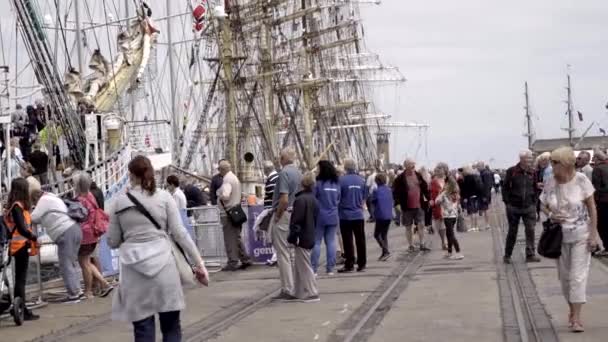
{"type": "Point", "coordinates": [603, 131]}
{"type": "Point", "coordinates": [580, 116]}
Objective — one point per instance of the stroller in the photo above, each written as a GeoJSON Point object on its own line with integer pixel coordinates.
{"type": "Point", "coordinates": [16, 306]}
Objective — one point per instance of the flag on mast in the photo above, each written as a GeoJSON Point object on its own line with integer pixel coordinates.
{"type": "Point", "coordinates": [580, 116]}
{"type": "Point", "coordinates": [603, 131]}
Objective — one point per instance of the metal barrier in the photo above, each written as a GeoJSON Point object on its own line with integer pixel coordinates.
{"type": "Point", "coordinates": [110, 175]}
{"type": "Point", "coordinates": [208, 234]}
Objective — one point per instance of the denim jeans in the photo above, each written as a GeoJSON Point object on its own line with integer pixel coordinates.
{"type": "Point", "coordinates": [327, 233]}
{"type": "Point", "coordinates": [145, 330]}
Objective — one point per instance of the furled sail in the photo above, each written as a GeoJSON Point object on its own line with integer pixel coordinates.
{"type": "Point", "coordinates": [109, 82]}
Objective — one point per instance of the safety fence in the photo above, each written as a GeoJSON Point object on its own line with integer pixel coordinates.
{"type": "Point", "coordinates": [206, 231]}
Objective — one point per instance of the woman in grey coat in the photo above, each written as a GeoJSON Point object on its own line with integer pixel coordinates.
{"type": "Point", "coordinates": [149, 279]}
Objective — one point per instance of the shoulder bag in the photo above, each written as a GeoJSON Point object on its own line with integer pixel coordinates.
{"type": "Point", "coordinates": [550, 242]}
{"type": "Point", "coordinates": [236, 215]}
{"type": "Point", "coordinates": [461, 225]}
{"type": "Point", "coordinates": [186, 274]}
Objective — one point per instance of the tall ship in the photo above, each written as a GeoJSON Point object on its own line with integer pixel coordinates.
{"type": "Point", "coordinates": [190, 82]}
{"type": "Point", "coordinates": [193, 82]}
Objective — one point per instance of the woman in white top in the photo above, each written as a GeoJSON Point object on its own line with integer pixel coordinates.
{"type": "Point", "coordinates": [567, 199]}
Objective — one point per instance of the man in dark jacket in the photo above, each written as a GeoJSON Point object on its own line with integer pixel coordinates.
{"type": "Point", "coordinates": [471, 191]}
{"type": "Point", "coordinates": [599, 179]}
{"type": "Point", "coordinates": [194, 196]}
{"type": "Point", "coordinates": [40, 162]}
{"type": "Point", "coordinates": [487, 180]}
{"type": "Point", "coordinates": [520, 195]}
{"type": "Point", "coordinates": [410, 191]}
{"type": "Point", "coordinates": [302, 235]}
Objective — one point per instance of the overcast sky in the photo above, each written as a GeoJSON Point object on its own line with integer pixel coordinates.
{"type": "Point", "coordinates": [466, 62]}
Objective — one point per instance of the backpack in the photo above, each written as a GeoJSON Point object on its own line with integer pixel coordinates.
{"type": "Point", "coordinates": [101, 220]}
{"type": "Point", "coordinates": [76, 211]}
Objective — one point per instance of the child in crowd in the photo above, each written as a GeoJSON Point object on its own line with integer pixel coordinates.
{"type": "Point", "coordinates": [382, 199]}
{"type": "Point", "coordinates": [302, 236]}
{"type": "Point", "coordinates": [449, 200]}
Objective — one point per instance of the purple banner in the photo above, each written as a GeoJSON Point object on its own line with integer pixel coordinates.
{"type": "Point", "coordinates": [259, 251]}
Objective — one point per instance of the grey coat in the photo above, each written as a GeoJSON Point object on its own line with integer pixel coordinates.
{"type": "Point", "coordinates": [149, 280]}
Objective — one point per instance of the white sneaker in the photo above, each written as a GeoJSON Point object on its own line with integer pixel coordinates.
{"type": "Point", "coordinates": [447, 256]}
{"type": "Point", "coordinates": [457, 257]}
{"type": "Point", "coordinates": [330, 274]}
{"type": "Point", "coordinates": [316, 275]}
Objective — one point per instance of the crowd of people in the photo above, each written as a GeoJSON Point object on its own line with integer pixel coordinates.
{"type": "Point", "coordinates": [330, 204]}
{"type": "Point", "coordinates": [25, 151]}
{"type": "Point", "coordinates": [327, 205]}
{"type": "Point", "coordinates": [332, 210]}
{"type": "Point", "coordinates": [74, 225]}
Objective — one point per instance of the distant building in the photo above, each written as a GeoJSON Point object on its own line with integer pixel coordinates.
{"type": "Point", "coordinates": [588, 143]}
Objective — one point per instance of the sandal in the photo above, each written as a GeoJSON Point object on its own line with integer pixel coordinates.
{"type": "Point", "coordinates": [577, 327]}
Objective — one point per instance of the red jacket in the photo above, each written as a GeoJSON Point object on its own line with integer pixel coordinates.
{"type": "Point", "coordinates": [436, 189]}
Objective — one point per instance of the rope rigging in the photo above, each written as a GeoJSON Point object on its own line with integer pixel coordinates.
{"type": "Point", "coordinates": [63, 36]}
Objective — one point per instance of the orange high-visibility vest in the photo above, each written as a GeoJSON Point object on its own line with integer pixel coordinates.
{"type": "Point", "coordinates": [18, 241]}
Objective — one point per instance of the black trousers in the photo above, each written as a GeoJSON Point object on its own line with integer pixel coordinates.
{"type": "Point", "coordinates": [145, 330]}
{"type": "Point", "coordinates": [514, 215]}
{"type": "Point", "coordinates": [348, 228]}
{"type": "Point", "coordinates": [451, 236]}
{"type": "Point", "coordinates": [22, 261]}
{"type": "Point", "coordinates": [381, 234]}
{"type": "Point", "coordinates": [602, 222]}
{"type": "Point", "coordinates": [370, 208]}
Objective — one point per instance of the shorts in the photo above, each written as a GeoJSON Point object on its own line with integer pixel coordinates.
{"type": "Point", "coordinates": [484, 204]}
{"type": "Point", "coordinates": [472, 205]}
{"type": "Point", "coordinates": [87, 250]}
{"type": "Point", "coordinates": [412, 216]}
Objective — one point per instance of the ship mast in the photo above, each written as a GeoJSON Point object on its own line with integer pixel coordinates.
{"type": "Point", "coordinates": [79, 38]}
{"type": "Point", "coordinates": [306, 92]}
{"type": "Point", "coordinates": [571, 128]}
{"type": "Point", "coordinates": [530, 133]}
{"type": "Point", "coordinates": [132, 95]}
{"type": "Point", "coordinates": [227, 58]}
{"type": "Point", "coordinates": [267, 69]}
{"type": "Point", "coordinates": [172, 80]}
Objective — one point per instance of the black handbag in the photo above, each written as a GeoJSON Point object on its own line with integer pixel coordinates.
{"type": "Point", "coordinates": [461, 225]}
{"type": "Point", "coordinates": [550, 243]}
{"type": "Point", "coordinates": [236, 215]}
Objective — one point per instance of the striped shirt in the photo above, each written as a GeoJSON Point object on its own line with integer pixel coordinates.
{"type": "Point", "coordinates": [271, 181]}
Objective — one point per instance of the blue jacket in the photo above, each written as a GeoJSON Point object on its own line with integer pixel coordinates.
{"type": "Point", "coordinates": [383, 203]}
{"type": "Point", "coordinates": [353, 195]}
{"type": "Point", "coordinates": [327, 194]}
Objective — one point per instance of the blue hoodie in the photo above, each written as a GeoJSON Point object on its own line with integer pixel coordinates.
{"type": "Point", "coordinates": [383, 203]}
{"type": "Point", "coordinates": [353, 195]}
{"type": "Point", "coordinates": [328, 197]}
